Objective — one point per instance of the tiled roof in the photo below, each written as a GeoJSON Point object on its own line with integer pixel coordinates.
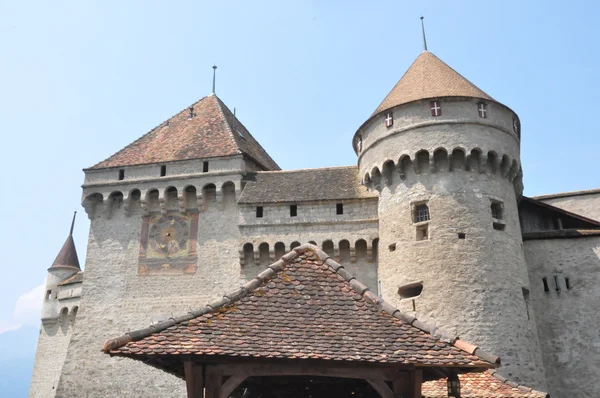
{"type": "Point", "coordinates": [67, 257]}
{"type": "Point", "coordinates": [567, 194]}
{"type": "Point", "coordinates": [304, 306]}
{"type": "Point", "coordinates": [77, 278]}
{"type": "Point", "coordinates": [429, 77]}
{"type": "Point", "coordinates": [212, 131]}
{"type": "Point", "coordinates": [330, 183]}
{"type": "Point", "coordinates": [582, 222]}
{"type": "Point", "coordinates": [481, 385]}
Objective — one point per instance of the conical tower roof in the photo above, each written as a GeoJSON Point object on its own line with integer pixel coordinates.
{"type": "Point", "coordinates": [67, 257]}
{"type": "Point", "coordinates": [205, 129]}
{"type": "Point", "coordinates": [429, 77]}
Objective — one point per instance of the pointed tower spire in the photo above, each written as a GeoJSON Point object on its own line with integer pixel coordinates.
{"type": "Point", "coordinates": [67, 257]}
{"type": "Point", "coordinates": [423, 29]}
{"type": "Point", "coordinates": [214, 77]}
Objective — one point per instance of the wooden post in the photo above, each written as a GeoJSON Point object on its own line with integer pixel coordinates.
{"type": "Point", "coordinates": [194, 379]}
{"type": "Point", "coordinates": [417, 383]}
{"type": "Point", "coordinates": [213, 385]}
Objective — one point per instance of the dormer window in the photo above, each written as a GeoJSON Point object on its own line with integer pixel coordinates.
{"type": "Point", "coordinates": [482, 110]}
{"type": "Point", "coordinates": [436, 108]}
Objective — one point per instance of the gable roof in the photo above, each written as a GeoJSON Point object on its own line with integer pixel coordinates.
{"type": "Point", "coordinates": [429, 77]}
{"type": "Point", "coordinates": [577, 221]}
{"type": "Point", "coordinates": [304, 306]}
{"type": "Point", "coordinates": [329, 183]}
{"type": "Point", "coordinates": [487, 384]}
{"type": "Point", "coordinates": [212, 131]}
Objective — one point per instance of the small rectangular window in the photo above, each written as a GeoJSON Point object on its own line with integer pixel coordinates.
{"type": "Point", "coordinates": [462, 235]}
{"type": "Point", "coordinates": [293, 210]}
{"type": "Point", "coordinates": [422, 232]}
{"type": "Point", "coordinates": [121, 174]}
{"type": "Point", "coordinates": [259, 211]}
{"type": "Point", "coordinates": [421, 213]}
{"type": "Point", "coordinates": [48, 294]}
{"type": "Point", "coordinates": [163, 171]}
{"type": "Point", "coordinates": [545, 282]}
{"type": "Point", "coordinates": [339, 208]}
{"type": "Point", "coordinates": [567, 283]}
{"type": "Point", "coordinates": [205, 167]}
{"type": "Point", "coordinates": [496, 208]}
{"type": "Point", "coordinates": [392, 247]}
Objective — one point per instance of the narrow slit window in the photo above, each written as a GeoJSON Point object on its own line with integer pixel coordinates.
{"type": "Point", "coordinates": [421, 213]}
{"type": "Point", "coordinates": [568, 283]}
{"type": "Point", "coordinates": [526, 298]}
{"type": "Point", "coordinates": [293, 210]}
{"type": "Point", "coordinates": [545, 282]}
{"type": "Point", "coordinates": [339, 208]}
{"type": "Point", "coordinates": [205, 167]}
{"type": "Point", "coordinates": [163, 171]}
{"type": "Point", "coordinates": [556, 285]}
{"type": "Point", "coordinates": [48, 294]}
{"type": "Point", "coordinates": [259, 211]}
{"type": "Point", "coordinates": [121, 174]}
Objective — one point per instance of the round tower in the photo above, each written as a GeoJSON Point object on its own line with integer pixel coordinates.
{"type": "Point", "coordinates": [65, 265]}
{"type": "Point", "coordinates": [444, 157]}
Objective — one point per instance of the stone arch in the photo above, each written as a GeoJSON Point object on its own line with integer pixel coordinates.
{"type": "Point", "coordinates": [361, 249]}
{"type": "Point", "coordinates": [248, 250]}
{"type": "Point", "coordinates": [171, 200]}
{"type": "Point", "coordinates": [422, 161]}
{"type": "Point", "coordinates": [514, 170]}
{"type": "Point", "coordinates": [190, 195]}
{"type": "Point", "coordinates": [90, 203]}
{"type": "Point", "coordinates": [133, 201]}
{"type": "Point", "coordinates": [440, 159]}
{"type": "Point", "coordinates": [279, 249]}
{"type": "Point", "coordinates": [294, 244]}
{"type": "Point", "coordinates": [312, 242]}
{"type": "Point", "coordinates": [504, 166]}
{"type": "Point", "coordinates": [228, 190]}
{"type": "Point", "coordinates": [209, 195]}
{"type": "Point", "coordinates": [263, 253]}
{"type": "Point", "coordinates": [344, 246]}
{"type": "Point", "coordinates": [491, 164]}
{"type": "Point", "coordinates": [328, 247]}
{"type": "Point", "coordinates": [63, 318]}
{"type": "Point", "coordinates": [73, 315]}
{"type": "Point", "coordinates": [367, 180]}
{"type": "Point", "coordinates": [387, 171]}
{"type": "Point", "coordinates": [405, 167]}
{"type": "Point", "coordinates": [458, 159]}
{"type": "Point", "coordinates": [376, 177]}
{"type": "Point", "coordinates": [152, 200]}
{"type": "Point", "coordinates": [115, 202]}
{"type": "Point", "coordinates": [474, 160]}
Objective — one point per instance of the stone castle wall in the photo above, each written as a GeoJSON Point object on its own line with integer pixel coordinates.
{"type": "Point", "coordinates": [568, 325]}
{"type": "Point", "coordinates": [586, 205]}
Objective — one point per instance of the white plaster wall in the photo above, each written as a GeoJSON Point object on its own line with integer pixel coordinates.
{"type": "Point", "coordinates": [116, 299]}
{"type": "Point", "coordinates": [584, 205]}
{"type": "Point", "coordinates": [568, 321]}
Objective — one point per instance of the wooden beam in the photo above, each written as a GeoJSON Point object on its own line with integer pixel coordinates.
{"type": "Point", "coordinates": [213, 386]}
{"type": "Point", "coordinates": [382, 388]}
{"type": "Point", "coordinates": [299, 370]}
{"type": "Point", "coordinates": [230, 385]}
{"type": "Point", "coordinates": [194, 379]}
{"type": "Point", "coordinates": [417, 383]}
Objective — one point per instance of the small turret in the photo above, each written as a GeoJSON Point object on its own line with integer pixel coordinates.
{"type": "Point", "coordinates": [65, 265]}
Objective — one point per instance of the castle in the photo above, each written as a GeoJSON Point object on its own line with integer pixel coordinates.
{"type": "Point", "coordinates": [432, 219]}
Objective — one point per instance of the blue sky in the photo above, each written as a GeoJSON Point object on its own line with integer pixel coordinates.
{"type": "Point", "coordinates": [80, 80]}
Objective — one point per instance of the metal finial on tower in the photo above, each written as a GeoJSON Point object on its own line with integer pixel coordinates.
{"type": "Point", "coordinates": [73, 223]}
{"type": "Point", "coordinates": [214, 77]}
{"type": "Point", "coordinates": [423, 29]}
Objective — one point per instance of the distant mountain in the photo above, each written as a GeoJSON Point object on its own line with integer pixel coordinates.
{"type": "Point", "coordinates": [17, 353]}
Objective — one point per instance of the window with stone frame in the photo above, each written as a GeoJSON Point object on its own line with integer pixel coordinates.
{"type": "Point", "coordinates": [421, 212]}
{"type": "Point", "coordinates": [497, 210]}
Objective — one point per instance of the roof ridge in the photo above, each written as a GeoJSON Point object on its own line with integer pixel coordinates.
{"type": "Point", "coordinates": [226, 123]}
{"type": "Point", "coordinates": [307, 169]}
{"type": "Point", "coordinates": [494, 373]}
{"type": "Point", "coordinates": [161, 124]}
{"type": "Point", "coordinates": [567, 193]}
{"type": "Point", "coordinates": [279, 265]}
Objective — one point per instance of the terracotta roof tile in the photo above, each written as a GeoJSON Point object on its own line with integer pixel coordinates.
{"type": "Point", "coordinates": [330, 183]}
{"type": "Point", "coordinates": [302, 309]}
{"type": "Point", "coordinates": [67, 257]}
{"type": "Point", "coordinates": [429, 77]}
{"type": "Point", "coordinates": [480, 385]}
{"type": "Point", "coordinates": [212, 131]}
